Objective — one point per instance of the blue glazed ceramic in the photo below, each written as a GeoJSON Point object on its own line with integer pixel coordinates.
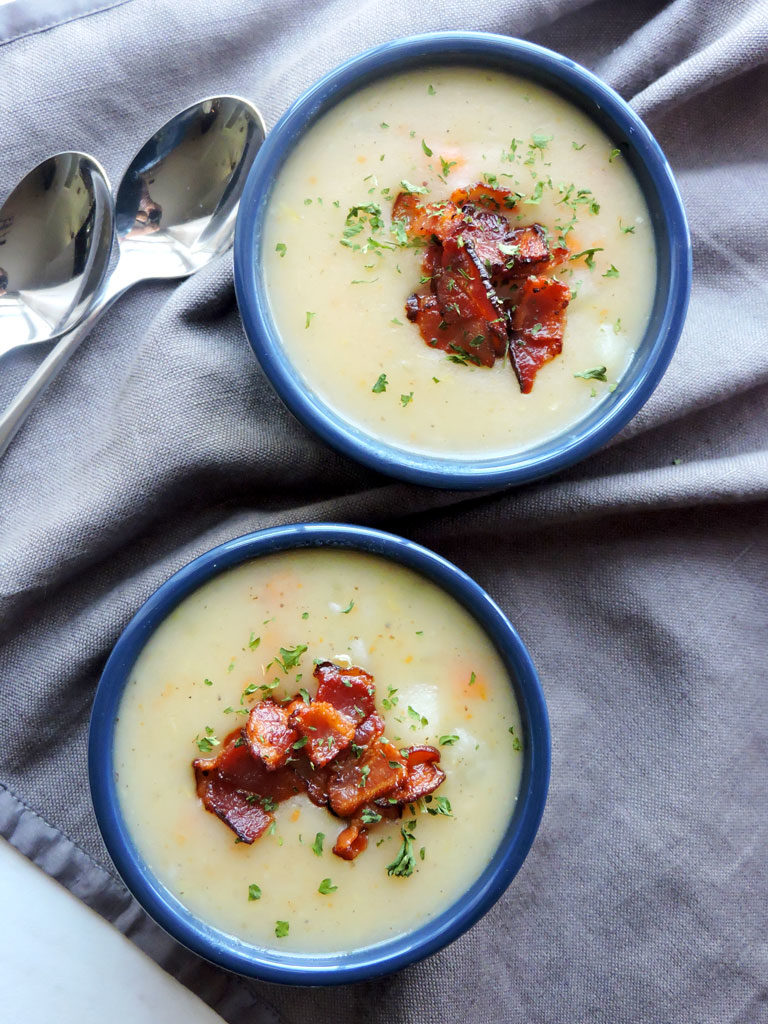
{"type": "Point", "coordinates": [620, 123]}
{"type": "Point", "coordinates": [359, 964]}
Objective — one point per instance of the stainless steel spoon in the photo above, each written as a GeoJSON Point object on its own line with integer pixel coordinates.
{"type": "Point", "coordinates": [175, 211]}
{"type": "Point", "coordinates": [55, 238]}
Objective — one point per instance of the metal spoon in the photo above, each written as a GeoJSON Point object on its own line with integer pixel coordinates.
{"type": "Point", "coordinates": [175, 212]}
{"type": "Point", "coordinates": [55, 238]}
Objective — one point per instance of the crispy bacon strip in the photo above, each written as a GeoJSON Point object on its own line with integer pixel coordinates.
{"type": "Point", "coordinates": [473, 252]}
{"type": "Point", "coordinates": [241, 790]}
{"type": "Point", "coordinates": [269, 736]}
{"type": "Point", "coordinates": [537, 327]}
{"type": "Point", "coordinates": [351, 691]}
{"type": "Point", "coordinates": [327, 731]}
{"type": "Point", "coordinates": [357, 781]}
{"type": "Point", "coordinates": [351, 841]}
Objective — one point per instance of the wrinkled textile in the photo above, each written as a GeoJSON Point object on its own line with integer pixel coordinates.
{"type": "Point", "coordinates": [637, 578]}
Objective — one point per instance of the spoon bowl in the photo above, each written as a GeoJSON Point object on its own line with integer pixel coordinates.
{"type": "Point", "coordinates": [55, 239]}
{"type": "Point", "coordinates": [176, 204]}
{"type": "Point", "coordinates": [175, 211]}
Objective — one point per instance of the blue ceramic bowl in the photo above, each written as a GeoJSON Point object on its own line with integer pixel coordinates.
{"type": "Point", "coordinates": [358, 964]}
{"type": "Point", "coordinates": [618, 121]}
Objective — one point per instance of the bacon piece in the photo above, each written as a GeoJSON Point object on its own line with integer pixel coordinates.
{"type": "Point", "coordinates": [240, 789]}
{"type": "Point", "coordinates": [357, 781]}
{"type": "Point", "coordinates": [422, 220]}
{"type": "Point", "coordinates": [268, 734]}
{"type": "Point", "coordinates": [315, 779]}
{"type": "Point", "coordinates": [481, 194]}
{"type": "Point", "coordinates": [351, 841]}
{"type": "Point", "coordinates": [537, 326]}
{"type": "Point", "coordinates": [424, 775]}
{"type": "Point", "coordinates": [350, 691]}
{"type": "Point", "coordinates": [327, 730]}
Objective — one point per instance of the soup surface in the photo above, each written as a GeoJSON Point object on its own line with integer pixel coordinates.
{"type": "Point", "coordinates": [439, 680]}
{"type": "Point", "coordinates": [338, 299]}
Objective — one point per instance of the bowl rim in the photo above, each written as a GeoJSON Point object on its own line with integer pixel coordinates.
{"type": "Point", "coordinates": [572, 443]}
{"type": "Point", "coordinates": [383, 957]}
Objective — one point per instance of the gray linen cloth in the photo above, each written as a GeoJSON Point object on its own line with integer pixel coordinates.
{"type": "Point", "coordinates": [638, 578]}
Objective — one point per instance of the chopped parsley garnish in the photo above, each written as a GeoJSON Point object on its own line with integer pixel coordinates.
{"type": "Point", "coordinates": [420, 720]}
{"type": "Point", "coordinates": [317, 846]}
{"type": "Point", "coordinates": [394, 320]}
{"type": "Point", "coordinates": [472, 679]}
{"type": "Point", "coordinates": [207, 682]}
{"type": "Point", "coordinates": [404, 862]}
{"type": "Point", "coordinates": [590, 255]}
{"type": "Point", "coordinates": [308, 320]}
{"type": "Point", "coordinates": [629, 230]}
{"type": "Point", "coordinates": [282, 248]}
{"type": "Point", "coordinates": [205, 744]}
{"type": "Point", "coordinates": [449, 740]}
{"type": "Point", "coordinates": [426, 148]}
{"type": "Point", "coordinates": [536, 328]}
{"type": "Point", "coordinates": [576, 146]}
{"type": "Point", "coordinates": [300, 743]}
{"type": "Point", "coordinates": [326, 887]}
{"type": "Point", "coordinates": [348, 609]}
{"type": "Point", "coordinates": [611, 272]}
{"type": "Point", "coordinates": [617, 326]}
{"type": "Point", "coordinates": [446, 166]}
{"type": "Point", "coordinates": [540, 141]}
{"type": "Point", "coordinates": [405, 399]}
{"type": "Point", "coordinates": [422, 853]}
{"type": "Point", "coordinates": [390, 700]}
{"type": "Point", "coordinates": [440, 805]}
{"type": "Point", "coordinates": [596, 373]}
{"type": "Point", "coordinates": [254, 892]}
{"type": "Point", "coordinates": [365, 771]}
{"type": "Point", "coordinates": [383, 125]}
{"type": "Point", "coordinates": [380, 385]}
{"type": "Point", "coordinates": [431, 89]}
{"type": "Point", "coordinates": [369, 816]}
{"type": "Point", "coordinates": [416, 189]}
{"type": "Point", "coordinates": [614, 154]}
{"type": "Point", "coordinates": [254, 641]}
{"type": "Point", "coordinates": [281, 929]}
{"type": "Point", "coordinates": [291, 656]}
{"type": "Point", "coordinates": [304, 694]}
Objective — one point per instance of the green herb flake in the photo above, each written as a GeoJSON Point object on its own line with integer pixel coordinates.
{"type": "Point", "coordinates": [441, 805]}
{"type": "Point", "coordinates": [231, 665]}
{"type": "Point", "coordinates": [577, 146]}
{"type": "Point", "coordinates": [628, 230]}
{"type": "Point", "coordinates": [305, 615]}
{"type": "Point", "coordinates": [380, 385]}
{"type": "Point", "coordinates": [307, 202]}
{"type": "Point", "coordinates": [383, 125]}
{"type": "Point", "coordinates": [431, 89]}
{"type": "Point", "coordinates": [614, 154]}
{"type": "Point", "coordinates": [472, 679]}
{"type": "Point", "coordinates": [304, 695]}
{"type": "Point", "coordinates": [300, 743]}
{"type": "Point", "coordinates": [348, 609]}
{"type": "Point", "coordinates": [404, 863]}
{"type": "Point", "coordinates": [426, 148]}
{"type": "Point", "coordinates": [281, 248]}
{"type": "Point", "coordinates": [394, 320]}
{"type": "Point", "coordinates": [292, 656]}
{"type": "Point", "coordinates": [317, 846]}
{"type": "Point", "coordinates": [617, 327]}
{"type": "Point", "coordinates": [611, 272]}
{"type": "Point", "coordinates": [590, 255]}
{"type": "Point", "coordinates": [207, 682]}
{"type": "Point", "coordinates": [516, 744]}
{"type": "Point", "coordinates": [308, 320]}
{"type": "Point", "coordinates": [419, 720]}
{"type": "Point", "coordinates": [326, 887]}
{"type": "Point", "coordinates": [254, 641]}
{"type": "Point", "coordinates": [414, 189]}
{"type": "Point", "coordinates": [406, 399]}
{"type": "Point", "coordinates": [365, 771]}
{"type": "Point", "coordinates": [449, 740]}
{"type": "Point", "coordinates": [596, 373]}
{"type": "Point", "coordinates": [422, 853]}
{"type": "Point", "coordinates": [281, 929]}
{"type": "Point", "coordinates": [369, 816]}
{"type": "Point", "coordinates": [206, 743]}
{"type": "Point", "coordinates": [254, 892]}
{"type": "Point", "coordinates": [446, 166]}
{"type": "Point", "coordinates": [540, 141]}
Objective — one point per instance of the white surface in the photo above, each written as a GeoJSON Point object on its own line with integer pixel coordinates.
{"type": "Point", "coordinates": [59, 961]}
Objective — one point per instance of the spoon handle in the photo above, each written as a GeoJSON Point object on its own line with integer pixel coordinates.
{"type": "Point", "coordinates": [21, 406]}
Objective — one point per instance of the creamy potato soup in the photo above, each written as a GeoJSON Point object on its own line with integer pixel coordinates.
{"type": "Point", "coordinates": [338, 292]}
{"type": "Point", "coordinates": [439, 681]}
